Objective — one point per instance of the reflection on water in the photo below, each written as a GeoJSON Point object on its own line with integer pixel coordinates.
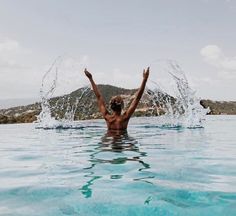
{"type": "Point", "coordinates": [117, 142]}
{"type": "Point", "coordinates": [91, 171]}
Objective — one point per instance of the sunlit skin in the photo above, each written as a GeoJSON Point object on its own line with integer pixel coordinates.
{"type": "Point", "coordinates": [118, 120]}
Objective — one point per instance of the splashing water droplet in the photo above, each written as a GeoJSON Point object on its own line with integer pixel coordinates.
{"type": "Point", "coordinates": [183, 109]}
{"type": "Point", "coordinates": [179, 109]}
{"type": "Point", "coordinates": [57, 112]}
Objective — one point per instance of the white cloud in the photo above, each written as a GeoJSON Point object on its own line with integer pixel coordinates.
{"type": "Point", "coordinates": [11, 54]}
{"type": "Point", "coordinates": [21, 74]}
{"type": "Point", "coordinates": [211, 52]}
{"type": "Point", "coordinates": [7, 44]}
{"type": "Point", "coordinates": [219, 82]}
{"type": "Point", "coordinates": [213, 55]}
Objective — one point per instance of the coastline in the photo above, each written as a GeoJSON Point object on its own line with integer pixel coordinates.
{"type": "Point", "coordinates": [87, 108]}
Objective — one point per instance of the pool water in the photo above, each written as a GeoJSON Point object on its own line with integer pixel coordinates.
{"type": "Point", "coordinates": [151, 170]}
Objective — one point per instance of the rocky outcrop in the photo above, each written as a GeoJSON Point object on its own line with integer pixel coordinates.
{"type": "Point", "coordinates": [21, 114]}
{"type": "Point", "coordinates": [220, 107]}
{"type": "Point", "coordinates": [3, 119]}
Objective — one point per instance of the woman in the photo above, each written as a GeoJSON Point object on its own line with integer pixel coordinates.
{"type": "Point", "coordinates": [117, 120]}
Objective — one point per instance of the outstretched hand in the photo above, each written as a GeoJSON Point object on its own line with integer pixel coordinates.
{"type": "Point", "coordinates": [89, 75]}
{"type": "Point", "coordinates": [146, 73]}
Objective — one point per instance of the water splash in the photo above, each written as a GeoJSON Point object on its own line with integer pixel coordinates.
{"type": "Point", "coordinates": [57, 112]}
{"type": "Point", "coordinates": [45, 118]}
{"type": "Point", "coordinates": [180, 109]}
{"type": "Point", "coordinates": [183, 108]}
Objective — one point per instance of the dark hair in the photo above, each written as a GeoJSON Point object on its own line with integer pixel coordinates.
{"type": "Point", "coordinates": [116, 103]}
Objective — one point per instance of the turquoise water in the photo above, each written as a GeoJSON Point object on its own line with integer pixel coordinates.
{"type": "Point", "coordinates": [151, 170]}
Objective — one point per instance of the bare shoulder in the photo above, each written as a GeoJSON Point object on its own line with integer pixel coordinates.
{"type": "Point", "coordinates": [108, 117]}
{"type": "Point", "coordinates": [125, 115]}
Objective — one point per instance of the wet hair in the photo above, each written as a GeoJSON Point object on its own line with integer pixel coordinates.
{"type": "Point", "coordinates": [116, 103]}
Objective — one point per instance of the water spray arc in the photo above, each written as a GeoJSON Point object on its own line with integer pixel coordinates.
{"type": "Point", "coordinates": [181, 109]}
{"type": "Point", "coordinates": [57, 112]}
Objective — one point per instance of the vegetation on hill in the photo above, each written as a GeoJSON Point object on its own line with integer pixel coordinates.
{"type": "Point", "coordinates": [87, 105]}
{"type": "Point", "coordinates": [220, 107]}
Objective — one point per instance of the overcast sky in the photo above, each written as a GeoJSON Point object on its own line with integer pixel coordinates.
{"type": "Point", "coordinates": [116, 40]}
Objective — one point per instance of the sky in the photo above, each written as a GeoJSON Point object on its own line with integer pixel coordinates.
{"type": "Point", "coordinates": [115, 40]}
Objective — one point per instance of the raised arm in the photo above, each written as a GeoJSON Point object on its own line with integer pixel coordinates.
{"type": "Point", "coordinates": [101, 102]}
{"type": "Point", "coordinates": [138, 96]}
